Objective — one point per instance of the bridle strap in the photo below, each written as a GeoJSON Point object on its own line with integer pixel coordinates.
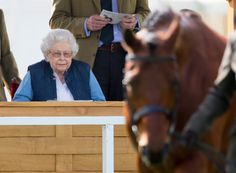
{"type": "Point", "coordinates": [145, 110]}
{"type": "Point", "coordinates": [156, 59]}
{"type": "Point", "coordinates": [216, 157]}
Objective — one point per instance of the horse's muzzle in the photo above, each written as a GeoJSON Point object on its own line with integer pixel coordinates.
{"type": "Point", "coordinates": [152, 158]}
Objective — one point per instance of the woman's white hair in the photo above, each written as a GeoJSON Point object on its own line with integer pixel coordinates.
{"type": "Point", "coordinates": [58, 35]}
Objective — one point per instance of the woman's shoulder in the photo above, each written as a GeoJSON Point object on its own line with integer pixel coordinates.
{"type": "Point", "coordinates": [37, 64]}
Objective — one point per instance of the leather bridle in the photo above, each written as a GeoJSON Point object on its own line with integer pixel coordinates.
{"type": "Point", "coordinates": [151, 158]}
{"type": "Point", "coordinates": [147, 156]}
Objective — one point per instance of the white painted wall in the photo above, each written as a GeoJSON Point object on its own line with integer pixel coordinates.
{"type": "Point", "coordinates": [27, 23]}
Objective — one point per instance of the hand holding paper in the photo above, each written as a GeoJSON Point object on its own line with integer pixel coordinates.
{"type": "Point", "coordinates": [113, 16]}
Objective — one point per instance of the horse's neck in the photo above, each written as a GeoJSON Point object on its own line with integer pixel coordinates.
{"type": "Point", "coordinates": [198, 46]}
{"type": "Point", "coordinates": [199, 54]}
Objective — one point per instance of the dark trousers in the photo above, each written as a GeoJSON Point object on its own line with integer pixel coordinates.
{"type": "Point", "coordinates": [231, 154]}
{"type": "Point", "coordinates": [108, 69]}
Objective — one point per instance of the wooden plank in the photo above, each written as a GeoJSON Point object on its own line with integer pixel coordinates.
{"type": "Point", "coordinates": [68, 172]}
{"type": "Point", "coordinates": [121, 131]}
{"type": "Point", "coordinates": [89, 130]}
{"type": "Point", "coordinates": [48, 145]}
{"type": "Point", "coordinates": [60, 108]}
{"type": "Point", "coordinates": [64, 131]}
{"type": "Point", "coordinates": [49, 131]}
{"type": "Point", "coordinates": [27, 131]}
{"type": "Point", "coordinates": [123, 162]}
{"type": "Point", "coordinates": [70, 111]}
{"type": "Point", "coordinates": [63, 162]}
{"type": "Point", "coordinates": [14, 162]}
{"type": "Point", "coordinates": [63, 104]}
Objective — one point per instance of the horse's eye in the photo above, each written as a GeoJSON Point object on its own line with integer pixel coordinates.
{"type": "Point", "coordinates": [131, 73]}
{"type": "Point", "coordinates": [152, 48]}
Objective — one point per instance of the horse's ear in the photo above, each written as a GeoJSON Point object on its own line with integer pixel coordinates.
{"type": "Point", "coordinates": [171, 33]}
{"type": "Point", "coordinates": [129, 37]}
{"type": "Point", "coordinates": [130, 41]}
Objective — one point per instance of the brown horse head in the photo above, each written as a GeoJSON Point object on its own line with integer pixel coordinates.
{"type": "Point", "coordinates": [170, 65]}
{"type": "Point", "coordinates": [152, 84]}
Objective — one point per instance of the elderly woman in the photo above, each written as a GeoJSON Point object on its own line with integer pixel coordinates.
{"type": "Point", "coordinates": [59, 76]}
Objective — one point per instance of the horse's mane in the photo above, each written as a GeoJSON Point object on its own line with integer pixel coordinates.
{"type": "Point", "coordinates": [203, 49]}
{"type": "Point", "coordinates": [199, 47]}
{"type": "Point", "coordinates": [158, 18]}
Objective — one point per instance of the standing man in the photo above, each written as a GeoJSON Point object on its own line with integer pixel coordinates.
{"type": "Point", "coordinates": [100, 41]}
{"type": "Point", "coordinates": [8, 67]}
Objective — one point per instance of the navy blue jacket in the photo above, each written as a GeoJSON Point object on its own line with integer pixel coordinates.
{"type": "Point", "coordinates": [44, 84]}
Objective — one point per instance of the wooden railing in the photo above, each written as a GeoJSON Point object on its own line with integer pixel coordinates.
{"type": "Point", "coordinates": [63, 148]}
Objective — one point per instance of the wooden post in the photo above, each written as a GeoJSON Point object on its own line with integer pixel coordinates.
{"type": "Point", "coordinates": [231, 14]}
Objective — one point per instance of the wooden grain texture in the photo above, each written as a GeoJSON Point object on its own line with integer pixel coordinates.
{"type": "Point", "coordinates": [60, 108]}
{"type": "Point", "coordinates": [61, 149]}
{"type": "Point", "coordinates": [27, 131]}
{"type": "Point", "coordinates": [68, 172]}
{"type": "Point", "coordinates": [123, 162]}
{"type": "Point", "coordinates": [64, 163]}
{"type": "Point", "coordinates": [50, 131]}
{"type": "Point", "coordinates": [86, 130]}
{"type": "Point", "coordinates": [13, 162]}
{"type": "Point", "coordinates": [45, 145]}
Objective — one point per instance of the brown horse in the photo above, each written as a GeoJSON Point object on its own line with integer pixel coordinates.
{"type": "Point", "coordinates": [170, 66]}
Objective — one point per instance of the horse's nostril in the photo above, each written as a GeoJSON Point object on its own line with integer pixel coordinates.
{"type": "Point", "coordinates": [145, 155]}
{"type": "Point", "coordinates": [152, 158]}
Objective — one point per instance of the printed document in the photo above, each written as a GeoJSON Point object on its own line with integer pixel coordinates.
{"type": "Point", "coordinates": [113, 16]}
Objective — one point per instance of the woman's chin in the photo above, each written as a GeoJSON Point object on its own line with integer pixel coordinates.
{"type": "Point", "coordinates": [61, 71]}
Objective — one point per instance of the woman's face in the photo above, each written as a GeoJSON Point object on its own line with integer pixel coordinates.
{"type": "Point", "coordinates": [60, 57]}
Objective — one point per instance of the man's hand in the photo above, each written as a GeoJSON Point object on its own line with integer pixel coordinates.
{"type": "Point", "coordinates": [15, 82]}
{"type": "Point", "coordinates": [96, 22]}
{"type": "Point", "coordinates": [128, 22]}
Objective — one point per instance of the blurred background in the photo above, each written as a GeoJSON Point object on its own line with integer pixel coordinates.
{"type": "Point", "coordinates": [27, 23]}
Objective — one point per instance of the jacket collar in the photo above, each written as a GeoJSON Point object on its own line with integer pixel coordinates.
{"type": "Point", "coordinates": [97, 3]}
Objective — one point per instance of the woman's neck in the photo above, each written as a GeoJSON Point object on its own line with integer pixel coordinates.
{"type": "Point", "coordinates": [61, 77]}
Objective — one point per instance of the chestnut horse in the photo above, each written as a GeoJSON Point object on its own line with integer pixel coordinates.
{"type": "Point", "coordinates": [171, 64]}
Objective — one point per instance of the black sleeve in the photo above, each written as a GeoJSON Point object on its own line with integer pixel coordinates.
{"type": "Point", "coordinates": [214, 105]}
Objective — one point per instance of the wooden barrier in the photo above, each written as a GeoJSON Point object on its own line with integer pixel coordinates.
{"type": "Point", "coordinates": [61, 148]}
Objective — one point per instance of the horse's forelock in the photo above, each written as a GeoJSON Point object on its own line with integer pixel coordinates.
{"type": "Point", "coordinates": [158, 18]}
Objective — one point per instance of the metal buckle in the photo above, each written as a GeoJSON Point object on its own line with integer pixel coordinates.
{"type": "Point", "coordinates": [113, 47]}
